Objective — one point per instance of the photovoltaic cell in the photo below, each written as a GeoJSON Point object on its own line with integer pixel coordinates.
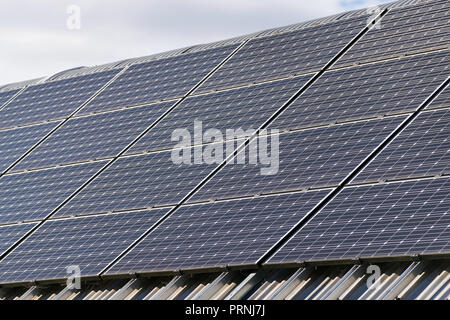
{"type": "Point", "coordinates": [393, 219]}
{"type": "Point", "coordinates": [6, 95]}
{"type": "Point", "coordinates": [16, 142]}
{"type": "Point", "coordinates": [93, 137]}
{"type": "Point", "coordinates": [52, 100]}
{"type": "Point", "coordinates": [422, 149]}
{"type": "Point", "coordinates": [218, 234]}
{"type": "Point", "coordinates": [158, 80]}
{"type": "Point", "coordinates": [13, 233]}
{"type": "Point", "coordinates": [388, 87]}
{"type": "Point", "coordinates": [285, 54]}
{"type": "Point", "coordinates": [245, 108]}
{"type": "Point", "coordinates": [90, 243]}
{"type": "Point", "coordinates": [33, 195]}
{"type": "Point", "coordinates": [403, 30]}
{"type": "Point", "coordinates": [307, 158]}
{"type": "Point", "coordinates": [137, 182]}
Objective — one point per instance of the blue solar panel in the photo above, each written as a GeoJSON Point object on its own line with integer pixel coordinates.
{"type": "Point", "coordinates": [137, 182]}
{"type": "Point", "coordinates": [12, 233]}
{"type": "Point", "coordinates": [93, 137]}
{"type": "Point", "coordinates": [6, 95]}
{"type": "Point", "coordinates": [16, 142]}
{"type": "Point", "coordinates": [245, 108]}
{"type": "Point", "coordinates": [388, 87]}
{"type": "Point", "coordinates": [285, 54]}
{"type": "Point", "coordinates": [307, 158]}
{"type": "Point", "coordinates": [158, 80]}
{"type": "Point", "coordinates": [422, 149]}
{"type": "Point", "coordinates": [34, 195]}
{"type": "Point", "coordinates": [409, 29]}
{"type": "Point", "coordinates": [90, 243]}
{"type": "Point", "coordinates": [218, 234]}
{"type": "Point", "coordinates": [393, 219]}
{"type": "Point", "coordinates": [52, 100]}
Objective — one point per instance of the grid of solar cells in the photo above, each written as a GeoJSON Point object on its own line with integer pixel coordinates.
{"type": "Point", "coordinates": [246, 108]}
{"type": "Point", "coordinates": [52, 100]}
{"type": "Point", "coordinates": [307, 158]}
{"type": "Point", "coordinates": [442, 100]}
{"type": "Point", "coordinates": [218, 234]}
{"type": "Point", "coordinates": [370, 90]}
{"type": "Point", "coordinates": [13, 233]}
{"type": "Point", "coordinates": [137, 182]}
{"type": "Point", "coordinates": [158, 80]}
{"type": "Point", "coordinates": [394, 219]}
{"type": "Point", "coordinates": [90, 243]}
{"type": "Point", "coordinates": [409, 29]}
{"type": "Point", "coordinates": [15, 142]}
{"type": "Point", "coordinates": [93, 137]}
{"type": "Point", "coordinates": [422, 149]}
{"type": "Point", "coordinates": [6, 95]}
{"type": "Point", "coordinates": [285, 54]}
{"type": "Point", "coordinates": [33, 195]}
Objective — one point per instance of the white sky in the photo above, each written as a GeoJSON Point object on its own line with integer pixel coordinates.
{"type": "Point", "coordinates": [35, 40]}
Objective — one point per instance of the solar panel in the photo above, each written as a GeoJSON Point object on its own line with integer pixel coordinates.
{"type": "Point", "coordinates": [52, 100]}
{"type": "Point", "coordinates": [89, 243]}
{"type": "Point", "coordinates": [307, 158]}
{"type": "Point", "coordinates": [388, 87]}
{"type": "Point", "coordinates": [158, 80]}
{"type": "Point", "coordinates": [422, 149]}
{"type": "Point", "coordinates": [393, 219]}
{"type": "Point", "coordinates": [93, 137]}
{"type": "Point", "coordinates": [285, 54]}
{"type": "Point", "coordinates": [137, 182]}
{"type": "Point", "coordinates": [404, 30]}
{"type": "Point", "coordinates": [245, 108]}
{"type": "Point", "coordinates": [218, 234]}
{"type": "Point", "coordinates": [15, 142]}
{"type": "Point", "coordinates": [442, 100]}
{"type": "Point", "coordinates": [33, 195]}
{"type": "Point", "coordinates": [6, 95]}
{"type": "Point", "coordinates": [13, 233]}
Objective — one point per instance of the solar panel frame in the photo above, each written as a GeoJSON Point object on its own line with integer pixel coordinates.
{"type": "Point", "coordinates": [162, 79]}
{"type": "Point", "coordinates": [402, 218]}
{"type": "Point", "coordinates": [93, 137]}
{"type": "Point", "coordinates": [367, 91]}
{"type": "Point", "coordinates": [257, 60]}
{"type": "Point", "coordinates": [420, 150]}
{"type": "Point", "coordinates": [89, 243]}
{"type": "Point", "coordinates": [219, 234]}
{"type": "Point", "coordinates": [52, 100]}
{"type": "Point", "coordinates": [245, 108]}
{"type": "Point", "coordinates": [10, 234]}
{"type": "Point", "coordinates": [5, 96]}
{"type": "Point", "coordinates": [138, 182]}
{"type": "Point", "coordinates": [409, 29]}
{"type": "Point", "coordinates": [34, 195]}
{"type": "Point", "coordinates": [16, 142]}
{"type": "Point", "coordinates": [311, 158]}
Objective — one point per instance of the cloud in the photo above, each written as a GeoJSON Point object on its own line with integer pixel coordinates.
{"type": "Point", "coordinates": [36, 42]}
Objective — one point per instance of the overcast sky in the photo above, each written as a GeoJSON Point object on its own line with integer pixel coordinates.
{"type": "Point", "coordinates": [35, 39]}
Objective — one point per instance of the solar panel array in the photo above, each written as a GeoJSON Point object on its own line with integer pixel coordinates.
{"type": "Point", "coordinates": [88, 177]}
